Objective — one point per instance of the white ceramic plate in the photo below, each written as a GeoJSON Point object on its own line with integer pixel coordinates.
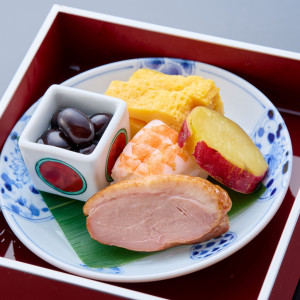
{"type": "Point", "coordinates": [33, 224]}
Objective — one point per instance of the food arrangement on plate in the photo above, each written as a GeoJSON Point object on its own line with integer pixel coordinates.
{"type": "Point", "coordinates": [151, 206]}
{"type": "Point", "coordinates": [172, 181]}
{"type": "Point", "coordinates": [156, 213]}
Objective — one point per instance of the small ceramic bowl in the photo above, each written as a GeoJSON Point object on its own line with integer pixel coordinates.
{"type": "Point", "coordinates": [65, 172]}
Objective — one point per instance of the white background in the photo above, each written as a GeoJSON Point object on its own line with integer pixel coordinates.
{"type": "Point", "coordinates": [272, 23]}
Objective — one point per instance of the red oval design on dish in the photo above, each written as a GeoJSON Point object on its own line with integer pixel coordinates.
{"type": "Point", "coordinates": [115, 150]}
{"type": "Point", "coordinates": [61, 176]}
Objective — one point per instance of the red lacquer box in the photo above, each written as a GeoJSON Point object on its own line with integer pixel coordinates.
{"type": "Point", "coordinates": [72, 41]}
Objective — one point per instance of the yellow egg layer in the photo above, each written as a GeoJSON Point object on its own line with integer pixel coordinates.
{"type": "Point", "coordinates": [153, 95]}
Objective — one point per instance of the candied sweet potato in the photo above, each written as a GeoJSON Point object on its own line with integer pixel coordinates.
{"type": "Point", "coordinates": [223, 149]}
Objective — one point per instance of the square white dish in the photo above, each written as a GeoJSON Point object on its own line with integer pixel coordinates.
{"type": "Point", "coordinates": [65, 172]}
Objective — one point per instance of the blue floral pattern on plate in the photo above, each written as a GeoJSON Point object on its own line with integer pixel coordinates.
{"type": "Point", "coordinates": [168, 66]}
{"type": "Point", "coordinates": [17, 190]}
{"type": "Point", "coordinates": [274, 145]}
{"type": "Point", "coordinates": [213, 246]}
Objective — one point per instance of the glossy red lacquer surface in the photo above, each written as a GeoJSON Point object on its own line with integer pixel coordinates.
{"type": "Point", "coordinates": [289, 272]}
{"type": "Point", "coordinates": [20, 285]}
{"type": "Point", "coordinates": [78, 43]}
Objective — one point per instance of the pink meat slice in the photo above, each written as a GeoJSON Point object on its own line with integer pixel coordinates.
{"type": "Point", "coordinates": [154, 213]}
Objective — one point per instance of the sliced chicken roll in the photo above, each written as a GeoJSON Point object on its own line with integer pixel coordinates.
{"type": "Point", "coordinates": [157, 212]}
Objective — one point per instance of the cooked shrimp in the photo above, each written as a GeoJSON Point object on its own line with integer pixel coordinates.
{"type": "Point", "coordinates": [153, 151]}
